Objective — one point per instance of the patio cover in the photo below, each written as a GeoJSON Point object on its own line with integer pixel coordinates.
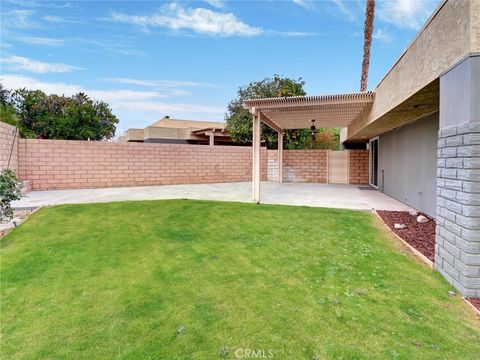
{"type": "Point", "coordinates": [297, 112]}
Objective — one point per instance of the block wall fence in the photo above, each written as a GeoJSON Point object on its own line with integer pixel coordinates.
{"type": "Point", "coordinates": [8, 145]}
{"type": "Point", "coordinates": [67, 164]}
{"type": "Point", "coordinates": [312, 166]}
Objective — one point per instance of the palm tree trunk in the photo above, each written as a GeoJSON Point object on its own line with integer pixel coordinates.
{"type": "Point", "coordinates": [367, 44]}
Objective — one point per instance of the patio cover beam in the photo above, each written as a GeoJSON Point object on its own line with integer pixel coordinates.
{"type": "Point", "coordinates": [296, 112]}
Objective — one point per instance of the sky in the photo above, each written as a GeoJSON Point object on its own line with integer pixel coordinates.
{"type": "Point", "coordinates": [187, 59]}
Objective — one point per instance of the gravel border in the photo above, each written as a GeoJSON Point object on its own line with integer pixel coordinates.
{"type": "Point", "coordinates": [420, 236]}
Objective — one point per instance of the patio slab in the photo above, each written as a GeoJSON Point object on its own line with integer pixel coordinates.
{"type": "Point", "coordinates": [300, 194]}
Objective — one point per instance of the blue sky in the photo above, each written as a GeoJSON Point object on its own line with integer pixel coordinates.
{"type": "Point", "coordinates": [187, 59]}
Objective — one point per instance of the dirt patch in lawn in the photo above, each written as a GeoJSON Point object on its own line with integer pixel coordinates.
{"type": "Point", "coordinates": [421, 236]}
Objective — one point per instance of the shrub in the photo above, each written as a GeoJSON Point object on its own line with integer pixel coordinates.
{"type": "Point", "coordinates": [10, 190]}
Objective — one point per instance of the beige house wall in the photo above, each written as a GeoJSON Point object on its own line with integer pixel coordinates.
{"type": "Point", "coordinates": [449, 35]}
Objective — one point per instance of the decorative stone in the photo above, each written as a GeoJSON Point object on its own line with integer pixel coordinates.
{"type": "Point", "coordinates": [400, 226]}
{"type": "Point", "coordinates": [422, 219]}
{"type": "Point", "coordinates": [413, 212]}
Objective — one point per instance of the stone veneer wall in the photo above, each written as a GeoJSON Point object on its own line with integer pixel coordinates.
{"type": "Point", "coordinates": [457, 249]}
{"type": "Point", "coordinates": [7, 138]}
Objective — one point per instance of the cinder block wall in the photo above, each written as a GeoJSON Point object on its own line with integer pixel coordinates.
{"type": "Point", "coordinates": [7, 138]}
{"type": "Point", "coordinates": [305, 166]}
{"type": "Point", "coordinates": [358, 172]}
{"type": "Point", "coordinates": [299, 165]}
{"type": "Point", "coordinates": [272, 165]}
{"type": "Point", "coordinates": [60, 164]}
{"type": "Point", "coordinates": [312, 166]}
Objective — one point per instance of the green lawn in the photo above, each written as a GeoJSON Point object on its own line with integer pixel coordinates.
{"type": "Point", "coordinates": [200, 280]}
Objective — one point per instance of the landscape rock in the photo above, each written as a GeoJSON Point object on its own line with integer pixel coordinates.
{"type": "Point", "coordinates": [400, 226]}
{"type": "Point", "coordinates": [413, 212]}
{"type": "Point", "coordinates": [422, 219]}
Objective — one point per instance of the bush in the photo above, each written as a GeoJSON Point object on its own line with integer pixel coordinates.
{"type": "Point", "coordinates": [10, 190]}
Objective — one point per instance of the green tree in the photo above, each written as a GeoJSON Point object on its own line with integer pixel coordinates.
{"type": "Point", "coordinates": [239, 120]}
{"type": "Point", "coordinates": [78, 117]}
{"type": "Point", "coordinates": [7, 111]}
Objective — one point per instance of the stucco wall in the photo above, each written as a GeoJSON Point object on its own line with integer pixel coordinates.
{"type": "Point", "coordinates": [450, 35]}
{"type": "Point", "coordinates": [408, 163]}
{"type": "Point", "coordinates": [460, 94]}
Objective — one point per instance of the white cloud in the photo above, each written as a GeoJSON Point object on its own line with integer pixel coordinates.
{"type": "Point", "coordinates": [382, 35]}
{"type": "Point", "coordinates": [216, 3]}
{"type": "Point", "coordinates": [58, 20]}
{"type": "Point", "coordinates": [13, 82]}
{"type": "Point", "coordinates": [117, 46]}
{"type": "Point", "coordinates": [21, 63]}
{"type": "Point", "coordinates": [19, 19]}
{"type": "Point", "coordinates": [120, 95]}
{"type": "Point", "coordinates": [408, 14]}
{"type": "Point", "coordinates": [133, 108]}
{"type": "Point", "coordinates": [170, 108]}
{"type": "Point", "coordinates": [344, 9]}
{"type": "Point", "coordinates": [291, 33]}
{"type": "Point", "coordinates": [306, 4]}
{"type": "Point", "coordinates": [157, 83]}
{"type": "Point", "coordinates": [199, 20]}
{"type": "Point", "coordinates": [34, 40]}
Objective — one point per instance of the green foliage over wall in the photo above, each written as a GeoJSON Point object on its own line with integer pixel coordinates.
{"type": "Point", "coordinates": [39, 115]}
{"type": "Point", "coordinates": [239, 119]}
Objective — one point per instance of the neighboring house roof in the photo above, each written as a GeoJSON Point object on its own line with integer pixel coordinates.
{"type": "Point", "coordinates": [185, 124]}
{"type": "Point", "coordinates": [177, 129]}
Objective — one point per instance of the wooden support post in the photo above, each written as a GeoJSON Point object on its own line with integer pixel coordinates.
{"type": "Point", "coordinates": [280, 157]}
{"type": "Point", "coordinates": [211, 138]}
{"type": "Point", "coordinates": [256, 156]}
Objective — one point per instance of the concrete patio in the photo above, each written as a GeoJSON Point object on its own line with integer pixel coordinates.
{"type": "Point", "coordinates": [299, 194]}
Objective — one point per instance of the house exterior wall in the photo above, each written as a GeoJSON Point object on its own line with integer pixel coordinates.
{"type": "Point", "coordinates": [407, 167]}
{"type": "Point", "coordinates": [449, 35]}
{"type": "Point", "coordinates": [7, 138]}
{"type": "Point", "coordinates": [65, 164]}
{"type": "Point", "coordinates": [457, 248]}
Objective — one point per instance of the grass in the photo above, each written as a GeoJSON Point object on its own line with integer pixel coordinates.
{"type": "Point", "coordinates": [199, 280]}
